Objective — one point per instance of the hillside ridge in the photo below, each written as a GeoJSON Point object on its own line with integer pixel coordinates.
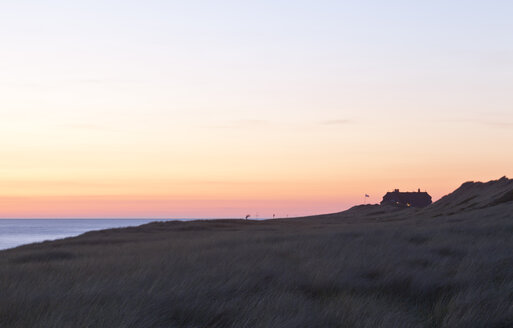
{"type": "Point", "coordinates": [473, 195]}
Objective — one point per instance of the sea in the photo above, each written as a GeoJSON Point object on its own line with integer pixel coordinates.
{"type": "Point", "coordinates": [16, 232]}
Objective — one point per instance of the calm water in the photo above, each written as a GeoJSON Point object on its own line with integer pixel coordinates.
{"type": "Point", "coordinates": [15, 232]}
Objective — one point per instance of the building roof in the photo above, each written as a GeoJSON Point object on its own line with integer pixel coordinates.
{"type": "Point", "coordinates": [407, 199]}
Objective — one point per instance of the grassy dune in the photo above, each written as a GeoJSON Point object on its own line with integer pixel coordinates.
{"type": "Point", "coordinates": [448, 265]}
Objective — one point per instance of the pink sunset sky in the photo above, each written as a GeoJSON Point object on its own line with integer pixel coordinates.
{"type": "Point", "coordinates": [167, 109]}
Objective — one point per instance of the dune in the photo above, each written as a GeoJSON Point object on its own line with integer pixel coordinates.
{"type": "Point", "coordinates": [447, 265]}
{"type": "Point", "coordinates": [474, 195]}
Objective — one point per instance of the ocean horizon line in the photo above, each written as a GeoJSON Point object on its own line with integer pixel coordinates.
{"type": "Point", "coordinates": [16, 232]}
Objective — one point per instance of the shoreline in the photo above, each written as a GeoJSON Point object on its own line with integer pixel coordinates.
{"type": "Point", "coordinates": [59, 236]}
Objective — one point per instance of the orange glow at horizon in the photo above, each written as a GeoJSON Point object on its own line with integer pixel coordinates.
{"type": "Point", "coordinates": [201, 200]}
{"type": "Point", "coordinates": [295, 170]}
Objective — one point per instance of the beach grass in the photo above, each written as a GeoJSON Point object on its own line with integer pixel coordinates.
{"type": "Point", "coordinates": [367, 267]}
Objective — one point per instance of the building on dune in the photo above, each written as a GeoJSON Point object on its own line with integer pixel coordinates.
{"type": "Point", "coordinates": [407, 199]}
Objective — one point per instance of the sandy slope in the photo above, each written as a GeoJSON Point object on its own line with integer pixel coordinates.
{"type": "Point", "coordinates": [474, 195]}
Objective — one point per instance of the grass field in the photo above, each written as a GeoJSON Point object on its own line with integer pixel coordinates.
{"type": "Point", "coordinates": [448, 265]}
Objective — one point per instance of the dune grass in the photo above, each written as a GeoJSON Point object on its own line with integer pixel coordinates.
{"type": "Point", "coordinates": [393, 269]}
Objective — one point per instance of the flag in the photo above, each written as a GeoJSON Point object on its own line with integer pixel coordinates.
{"type": "Point", "coordinates": [367, 196]}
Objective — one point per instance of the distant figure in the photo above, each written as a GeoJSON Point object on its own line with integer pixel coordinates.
{"type": "Point", "coordinates": [274, 215]}
{"type": "Point", "coordinates": [247, 216]}
{"type": "Point", "coordinates": [407, 199]}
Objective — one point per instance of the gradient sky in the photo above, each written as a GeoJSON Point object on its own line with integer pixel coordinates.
{"type": "Point", "coordinates": [222, 108]}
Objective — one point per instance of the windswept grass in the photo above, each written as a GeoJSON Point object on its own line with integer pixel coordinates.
{"type": "Point", "coordinates": [376, 269]}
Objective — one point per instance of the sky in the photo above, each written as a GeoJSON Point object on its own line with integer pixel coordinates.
{"type": "Point", "coordinates": [200, 109]}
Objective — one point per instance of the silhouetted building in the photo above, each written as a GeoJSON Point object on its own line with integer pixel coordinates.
{"type": "Point", "coordinates": [407, 199]}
